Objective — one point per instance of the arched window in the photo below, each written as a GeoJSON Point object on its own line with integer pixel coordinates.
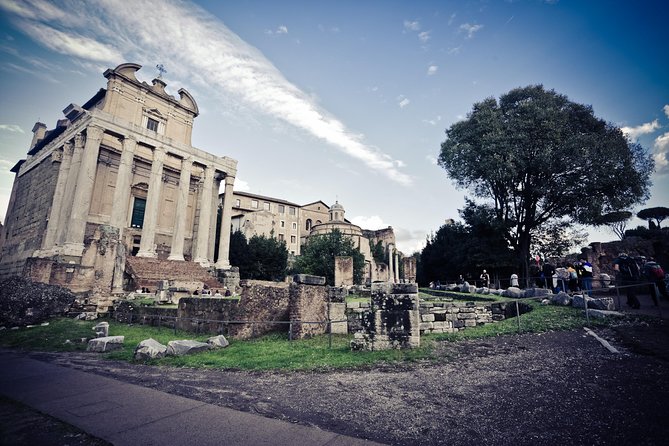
{"type": "Point", "coordinates": [308, 225]}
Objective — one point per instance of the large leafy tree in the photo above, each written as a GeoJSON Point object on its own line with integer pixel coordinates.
{"type": "Point", "coordinates": [466, 248]}
{"type": "Point", "coordinates": [261, 258]}
{"type": "Point", "coordinates": [616, 221]}
{"type": "Point", "coordinates": [537, 157]}
{"type": "Point", "coordinates": [317, 257]}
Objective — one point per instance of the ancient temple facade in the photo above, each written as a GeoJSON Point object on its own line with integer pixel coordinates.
{"type": "Point", "coordinates": [117, 178]}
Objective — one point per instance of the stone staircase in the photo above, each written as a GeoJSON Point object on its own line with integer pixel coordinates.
{"type": "Point", "coordinates": [147, 272]}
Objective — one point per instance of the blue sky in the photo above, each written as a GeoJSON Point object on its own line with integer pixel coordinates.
{"type": "Point", "coordinates": [343, 100]}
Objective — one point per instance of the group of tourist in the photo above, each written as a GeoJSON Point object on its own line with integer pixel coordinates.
{"type": "Point", "coordinates": [632, 271]}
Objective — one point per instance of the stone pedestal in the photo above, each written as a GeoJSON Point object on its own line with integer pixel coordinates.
{"type": "Point", "coordinates": [393, 320]}
{"type": "Point", "coordinates": [229, 278]}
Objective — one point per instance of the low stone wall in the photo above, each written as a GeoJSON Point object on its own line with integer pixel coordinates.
{"type": "Point", "coordinates": [444, 317]}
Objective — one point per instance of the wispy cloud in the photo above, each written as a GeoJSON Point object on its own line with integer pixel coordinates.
{"type": "Point", "coordinates": [403, 101]}
{"type": "Point", "coordinates": [432, 69]}
{"type": "Point", "coordinates": [455, 50]}
{"type": "Point", "coordinates": [371, 222]}
{"type": "Point", "coordinates": [643, 129]}
{"type": "Point", "coordinates": [281, 29]}
{"type": "Point", "coordinates": [470, 29]}
{"type": "Point", "coordinates": [37, 73]}
{"type": "Point", "coordinates": [451, 18]}
{"type": "Point", "coordinates": [432, 159]}
{"type": "Point", "coordinates": [240, 185]}
{"type": "Point", "coordinates": [412, 25]}
{"type": "Point", "coordinates": [198, 48]}
{"type": "Point", "coordinates": [71, 44]}
{"type": "Point", "coordinates": [433, 121]}
{"type": "Point", "coordinates": [12, 128]}
{"type": "Point", "coordinates": [661, 154]}
{"type": "Point", "coordinates": [666, 110]}
{"type": "Point", "coordinates": [424, 36]}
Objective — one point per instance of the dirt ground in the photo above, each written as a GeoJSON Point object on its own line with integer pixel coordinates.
{"type": "Point", "coordinates": [550, 388]}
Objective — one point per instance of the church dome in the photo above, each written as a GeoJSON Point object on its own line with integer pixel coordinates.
{"type": "Point", "coordinates": [337, 212]}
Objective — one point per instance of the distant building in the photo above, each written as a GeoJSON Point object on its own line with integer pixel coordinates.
{"type": "Point", "coordinates": [117, 177]}
{"type": "Point", "coordinates": [254, 214]}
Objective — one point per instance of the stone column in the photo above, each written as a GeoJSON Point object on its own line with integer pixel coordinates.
{"type": "Point", "coordinates": [211, 249]}
{"type": "Point", "coordinates": [146, 244]}
{"type": "Point", "coordinates": [179, 233]}
{"type": "Point", "coordinates": [81, 202]}
{"type": "Point", "coordinates": [57, 203]}
{"type": "Point", "coordinates": [391, 275]}
{"type": "Point", "coordinates": [204, 221]}
{"type": "Point", "coordinates": [66, 208]}
{"type": "Point", "coordinates": [397, 267]}
{"type": "Point", "coordinates": [224, 238]}
{"type": "Point", "coordinates": [119, 214]}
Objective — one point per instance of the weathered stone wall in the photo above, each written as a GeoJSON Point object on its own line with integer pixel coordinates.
{"type": "Point", "coordinates": [308, 303]}
{"type": "Point", "coordinates": [409, 267]}
{"type": "Point", "coordinates": [343, 273]}
{"type": "Point", "coordinates": [261, 301]}
{"type": "Point", "coordinates": [198, 314]}
{"type": "Point", "coordinates": [28, 215]}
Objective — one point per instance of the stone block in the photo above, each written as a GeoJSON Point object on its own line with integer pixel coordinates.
{"type": "Point", "coordinates": [149, 349]}
{"type": "Point", "coordinates": [467, 316]}
{"type": "Point", "coordinates": [352, 305]}
{"type": "Point", "coordinates": [307, 279]}
{"type": "Point", "coordinates": [427, 317]}
{"type": "Point", "coordinates": [105, 344]}
{"type": "Point", "coordinates": [470, 323]}
{"type": "Point", "coordinates": [424, 326]}
{"type": "Point", "coordinates": [186, 347]}
{"type": "Point", "coordinates": [218, 341]}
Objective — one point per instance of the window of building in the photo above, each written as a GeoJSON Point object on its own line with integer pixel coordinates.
{"type": "Point", "coordinates": [265, 206]}
{"type": "Point", "coordinates": [291, 211]}
{"type": "Point", "coordinates": [294, 226]}
{"type": "Point", "coordinates": [152, 124]}
{"type": "Point", "coordinates": [254, 204]}
{"type": "Point", "coordinates": [308, 225]}
{"type": "Point", "coordinates": [280, 237]}
{"type": "Point", "coordinates": [138, 207]}
{"type": "Point", "coordinates": [238, 202]}
{"type": "Point", "coordinates": [282, 209]}
{"type": "Point", "coordinates": [292, 239]}
{"type": "Point", "coordinates": [283, 224]}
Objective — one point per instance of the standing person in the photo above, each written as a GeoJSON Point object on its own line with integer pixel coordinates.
{"type": "Point", "coordinates": [627, 275]}
{"type": "Point", "coordinates": [654, 274]}
{"type": "Point", "coordinates": [563, 278]}
{"type": "Point", "coordinates": [573, 278]}
{"type": "Point", "coordinates": [485, 279]}
{"type": "Point", "coordinates": [548, 270]}
{"type": "Point", "coordinates": [586, 276]}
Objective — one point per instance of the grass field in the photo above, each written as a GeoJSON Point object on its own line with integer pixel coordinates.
{"type": "Point", "coordinates": [275, 351]}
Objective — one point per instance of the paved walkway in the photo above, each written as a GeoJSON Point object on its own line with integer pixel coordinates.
{"type": "Point", "coordinates": [648, 307]}
{"type": "Point", "coordinates": [126, 414]}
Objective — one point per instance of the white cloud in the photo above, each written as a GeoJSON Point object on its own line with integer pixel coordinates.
{"type": "Point", "coordinates": [412, 25]}
{"type": "Point", "coordinates": [240, 185]}
{"type": "Point", "coordinates": [424, 36]}
{"type": "Point", "coordinates": [432, 69]}
{"type": "Point", "coordinates": [283, 29]}
{"type": "Point", "coordinates": [455, 50]}
{"type": "Point", "coordinates": [403, 101]}
{"type": "Point", "coordinates": [432, 159]}
{"type": "Point", "coordinates": [372, 222]}
{"type": "Point", "coordinates": [451, 18]}
{"type": "Point", "coordinates": [643, 129]}
{"type": "Point", "coordinates": [71, 44]}
{"type": "Point", "coordinates": [202, 50]}
{"type": "Point", "coordinates": [661, 154]}
{"type": "Point", "coordinates": [433, 121]}
{"type": "Point", "coordinates": [12, 128]}
{"type": "Point", "coordinates": [666, 110]}
{"type": "Point", "coordinates": [409, 241]}
{"type": "Point", "coordinates": [470, 29]}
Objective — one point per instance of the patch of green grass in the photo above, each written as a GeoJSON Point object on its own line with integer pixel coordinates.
{"type": "Point", "coordinates": [274, 351]}
{"type": "Point", "coordinates": [52, 337]}
{"type": "Point", "coordinates": [542, 318]}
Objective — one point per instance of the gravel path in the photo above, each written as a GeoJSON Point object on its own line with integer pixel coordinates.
{"type": "Point", "coordinates": [550, 388]}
